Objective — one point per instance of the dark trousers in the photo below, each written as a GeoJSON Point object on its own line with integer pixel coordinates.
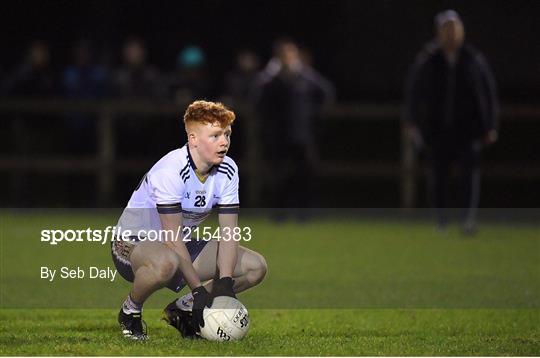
{"type": "Point", "coordinates": [291, 181]}
{"type": "Point", "coordinates": [441, 158]}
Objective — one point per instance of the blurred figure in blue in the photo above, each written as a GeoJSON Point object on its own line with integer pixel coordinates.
{"type": "Point", "coordinates": [83, 79]}
{"type": "Point", "coordinates": [288, 95]}
{"type": "Point", "coordinates": [189, 81]}
{"type": "Point", "coordinates": [451, 112]}
{"type": "Point", "coordinates": [35, 75]}
{"type": "Point", "coordinates": [135, 78]}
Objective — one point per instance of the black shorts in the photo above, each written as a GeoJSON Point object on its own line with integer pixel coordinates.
{"type": "Point", "coordinates": [120, 251]}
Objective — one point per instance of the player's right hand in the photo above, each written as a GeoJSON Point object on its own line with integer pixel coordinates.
{"type": "Point", "coordinates": [221, 287]}
{"type": "Point", "coordinates": [200, 299]}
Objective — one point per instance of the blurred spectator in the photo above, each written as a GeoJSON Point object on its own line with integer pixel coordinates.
{"type": "Point", "coordinates": [306, 56]}
{"type": "Point", "coordinates": [189, 81]}
{"type": "Point", "coordinates": [239, 82]}
{"type": "Point", "coordinates": [237, 93]}
{"type": "Point", "coordinates": [451, 111]}
{"type": "Point", "coordinates": [135, 78]}
{"type": "Point", "coordinates": [84, 78]}
{"type": "Point", "coordinates": [288, 95]}
{"type": "Point", "coordinates": [34, 76]}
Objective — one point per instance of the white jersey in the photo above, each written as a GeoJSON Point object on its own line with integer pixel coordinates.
{"type": "Point", "coordinates": [171, 186]}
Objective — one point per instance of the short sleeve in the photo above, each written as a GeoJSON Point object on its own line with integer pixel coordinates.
{"type": "Point", "coordinates": [229, 202]}
{"type": "Point", "coordinates": [166, 189]}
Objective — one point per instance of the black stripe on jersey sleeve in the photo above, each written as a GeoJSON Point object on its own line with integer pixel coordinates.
{"type": "Point", "coordinates": [227, 169]}
{"type": "Point", "coordinates": [169, 208]}
{"type": "Point", "coordinates": [228, 166]}
{"type": "Point", "coordinates": [225, 172]}
{"type": "Point", "coordinates": [228, 208]}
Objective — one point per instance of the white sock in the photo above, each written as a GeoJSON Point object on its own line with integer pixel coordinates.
{"type": "Point", "coordinates": [185, 302]}
{"type": "Point", "coordinates": [129, 306]}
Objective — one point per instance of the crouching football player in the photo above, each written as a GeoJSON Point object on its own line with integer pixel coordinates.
{"type": "Point", "coordinates": [176, 195]}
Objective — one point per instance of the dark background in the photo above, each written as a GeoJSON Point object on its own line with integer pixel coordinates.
{"type": "Point", "coordinates": [364, 47]}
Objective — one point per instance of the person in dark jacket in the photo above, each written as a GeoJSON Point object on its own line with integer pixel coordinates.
{"type": "Point", "coordinates": [451, 112]}
{"type": "Point", "coordinates": [288, 95]}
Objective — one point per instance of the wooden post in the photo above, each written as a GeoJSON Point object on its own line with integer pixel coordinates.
{"type": "Point", "coordinates": [105, 157]}
{"type": "Point", "coordinates": [408, 170]}
{"type": "Point", "coordinates": [253, 155]}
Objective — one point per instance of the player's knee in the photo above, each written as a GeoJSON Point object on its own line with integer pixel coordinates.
{"type": "Point", "coordinates": [165, 269]}
{"type": "Point", "coordinates": [258, 270]}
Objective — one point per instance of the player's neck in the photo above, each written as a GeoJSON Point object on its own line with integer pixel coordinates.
{"type": "Point", "coordinates": [201, 167]}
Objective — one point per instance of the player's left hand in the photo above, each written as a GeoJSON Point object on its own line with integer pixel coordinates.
{"type": "Point", "coordinates": [200, 300]}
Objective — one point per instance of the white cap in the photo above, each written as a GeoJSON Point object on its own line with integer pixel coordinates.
{"type": "Point", "coordinates": [445, 16]}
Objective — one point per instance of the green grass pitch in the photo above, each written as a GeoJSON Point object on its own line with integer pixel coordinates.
{"type": "Point", "coordinates": [338, 287]}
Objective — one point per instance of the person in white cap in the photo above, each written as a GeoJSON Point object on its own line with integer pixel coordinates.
{"type": "Point", "coordinates": [451, 111]}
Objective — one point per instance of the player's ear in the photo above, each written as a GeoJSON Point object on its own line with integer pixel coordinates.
{"type": "Point", "coordinates": [192, 138]}
{"type": "Point", "coordinates": [191, 135]}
